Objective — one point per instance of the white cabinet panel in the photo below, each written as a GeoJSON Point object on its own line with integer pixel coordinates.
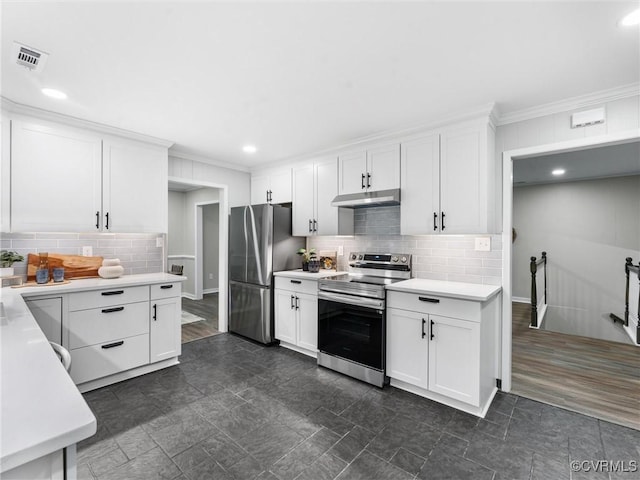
{"type": "Point", "coordinates": [259, 190]}
{"type": "Point", "coordinates": [303, 201]}
{"type": "Point", "coordinates": [134, 187]}
{"type": "Point", "coordinates": [307, 318]}
{"type": "Point", "coordinates": [164, 329]}
{"type": "Point", "coordinates": [281, 187]}
{"type": "Point", "coordinates": [454, 355]}
{"type": "Point", "coordinates": [285, 319]}
{"type": "Point", "coordinates": [383, 167]}
{"type": "Point", "coordinates": [352, 172]}
{"type": "Point", "coordinates": [407, 347]}
{"type": "Point", "coordinates": [48, 314]}
{"type": "Point", "coordinates": [420, 180]}
{"type": "Point", "coordinates": [55, 178]}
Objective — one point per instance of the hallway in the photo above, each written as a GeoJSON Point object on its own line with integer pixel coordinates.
{"type": "Point", "coordinates": [207, 310]}
{"type": "Point", "coordinates": [594, 377]}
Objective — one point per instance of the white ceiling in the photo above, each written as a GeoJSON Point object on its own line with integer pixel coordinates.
{"type": "Point", "coordinates": [297, 77]}
{"type": "Point", "coordinates": [610, 161]}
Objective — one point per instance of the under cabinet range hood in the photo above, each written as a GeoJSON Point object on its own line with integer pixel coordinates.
{"type": "Point", "coordinates": [381, 198]}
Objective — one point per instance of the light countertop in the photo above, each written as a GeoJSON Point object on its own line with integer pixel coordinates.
{"type": "Point", "coordinates": [307, 275]}
{"type": "Point", "coordinates": [41, 409]}
{"type": "Point", "coordinates": [460, 290]}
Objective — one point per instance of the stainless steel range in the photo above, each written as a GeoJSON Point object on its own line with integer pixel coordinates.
{"type": "Point", "coordinates": [351, 315]}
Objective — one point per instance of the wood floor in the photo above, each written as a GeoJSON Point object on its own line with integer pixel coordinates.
{"type": "Point", "coordinates": [595, 377]}
{"type": "Point", "coordinates": [206, 308]}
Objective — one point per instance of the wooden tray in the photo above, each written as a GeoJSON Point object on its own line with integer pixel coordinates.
{"type": "Point", "coordinates": [75, 266]}
{"type": "Point", "coordinates": [50, 283]}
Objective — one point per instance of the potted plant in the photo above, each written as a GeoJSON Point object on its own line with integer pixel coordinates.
{"type": "Point", "coordinates": [307, 256]}
{"type": "Point", "coordinates": [7, 259]}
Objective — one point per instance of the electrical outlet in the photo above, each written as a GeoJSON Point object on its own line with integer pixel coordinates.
{"type": "Point", "coordinates": [87, 251]}
{"type": "Point", "coordinates": [159, 242]}
{"type": "Point", "coordinates": [211, 276]}
{"type": "Point", "coordinates": [340, 250]}
{"type": "Point", "coordinates": [483, 244]}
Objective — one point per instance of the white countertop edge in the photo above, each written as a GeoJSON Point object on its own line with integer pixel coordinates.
{"type": "Point", "coordinates": [459, 290]}
{"type": "Point", "coordinates": [308, 275]}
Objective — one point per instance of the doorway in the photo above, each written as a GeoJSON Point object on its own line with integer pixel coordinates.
{"type": "Point", "coordinates": [563, 363]}
{"type": "Point", "coordinates": [197, 241]}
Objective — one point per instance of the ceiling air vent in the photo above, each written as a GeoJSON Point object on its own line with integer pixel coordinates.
{"type": "Point", "coordinates": [29, 57]}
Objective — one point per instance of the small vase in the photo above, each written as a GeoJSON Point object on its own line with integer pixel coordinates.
{"type": "Point", "coordinates": [42, 275]}
{"type": "Point", "coordinates": [305, 266]}
{"type": "Point", "coordinates": [314, 266]}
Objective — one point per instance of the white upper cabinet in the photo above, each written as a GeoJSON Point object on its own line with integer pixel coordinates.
{"type": "Point", "coordinates": [55, 179]}
{"type": "Point", "coordinates": [274, 187]}
{"type": "Point", "coordinates": [314, 187]}
{"type": "Point", "coordinates": [375, 169]}
{"type": "Point", "coordinates": [448, 181]}
{"type": "Point", "coordinates": [420, 180]}
{"type": "Point", "coordinates": [65, 179]}
{"type": "Point", "coordinates": [134, 187]}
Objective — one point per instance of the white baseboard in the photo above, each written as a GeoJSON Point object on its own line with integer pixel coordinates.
{"type": "Point", "coordinates": [520, 300]}
{"type": "Point", "coordinates": [210, 290]}
{"type": "Point", "coordinates": [190, 296]}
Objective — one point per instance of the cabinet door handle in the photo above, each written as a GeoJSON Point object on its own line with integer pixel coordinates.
{"type": "Point", "coordinates": [293, 302]}
{"type": "Point", "coordinates": [296, 281]}
{"type": "Point", "coordinates": [310, 226]}
{"type": "Point", "coordinates": [155, 311]}
{"type": "Point", "coordinates": [114, 309]}
{"type": "Point", "coordinates": [368, 180]}
{"type": "Point", "coordinates": [315, 225]}
{"type": "Point", "coordinates": [107, 225]}
{"type": "Point", "coordinates": [114, 344]}
{"type": "Point", "coordinates": [113, 292]}
{"type": "Point", "coordinates": [423, 323]}
{"type": "Point", "coordinates": [98, 220]}
{"type": "Point", "coordinates": [430, 300]}
{"type": "Point", "coordinates": [164, 287]}
{"type": "Point", "coordinates": [435, 221]}
{"type": "Point", "coordinates": [432, 336]}
{"type": "Point", "coordinates": [297, 304]}
{"type": "Point", "coordinates": [363, 185]}
{"type": "Point", "coordinates": [442, 222]}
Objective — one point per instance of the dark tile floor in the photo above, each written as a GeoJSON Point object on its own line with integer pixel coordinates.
{"type": "Point", "coordinates": [236, 410]}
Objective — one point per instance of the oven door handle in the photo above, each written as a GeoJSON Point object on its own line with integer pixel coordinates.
{"type": "Point", "coordinates": [351, 300]}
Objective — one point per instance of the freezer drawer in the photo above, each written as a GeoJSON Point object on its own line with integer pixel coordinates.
{"type": "Point", "coordinates": [251, 311]}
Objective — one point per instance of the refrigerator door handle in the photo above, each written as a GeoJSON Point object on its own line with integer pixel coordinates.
{"type": "Point", "coordinates": [256, 247]}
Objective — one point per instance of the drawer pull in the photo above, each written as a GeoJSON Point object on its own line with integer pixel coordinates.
{"type": "Point", "coordinates": [114, 309]}
{"type": "Point", "coordinates": [114, 344]}
{"type": "Point", "coordinates": [430, 300]}
{"type": "Point", "coordinates": [296, 281]}
{"type": "Point", "coordinates": [165, 287]}
{"type": "Point", "coordinates": [114, 292]}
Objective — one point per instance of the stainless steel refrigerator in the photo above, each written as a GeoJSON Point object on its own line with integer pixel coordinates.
{"type": "Point", "coordinates": [260, 243]}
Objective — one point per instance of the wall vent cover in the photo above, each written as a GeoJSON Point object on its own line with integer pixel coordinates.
{"type": "Point", "coordinates": [29, 57]}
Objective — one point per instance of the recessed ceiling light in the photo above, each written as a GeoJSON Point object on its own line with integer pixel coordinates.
{"type": "Point", "coordinates": [558, 171]}
{"type": "Point", "coordinates": [631, 19]}
{"type": "Point", "coordinates": [249, 149]}
{"type": "Point", "coordinates": [53, 93]}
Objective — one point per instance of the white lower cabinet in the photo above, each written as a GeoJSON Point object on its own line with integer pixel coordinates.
{"type": "Point", "coordinates": [164, 325]}
{"type": "Point", "coordinates": [443, 348]}
{"type": "Point", "coordinates": [48, 313]}
{"type": "Point", "coordinates": [296, 314]}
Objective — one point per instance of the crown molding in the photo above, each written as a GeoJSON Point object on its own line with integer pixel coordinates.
{"type": "Point", "coordinates": [175, 152]}
{"type": "Point", "coordinates": [21, 109]}
{"type": "Point", "coordinates": [572, 103]}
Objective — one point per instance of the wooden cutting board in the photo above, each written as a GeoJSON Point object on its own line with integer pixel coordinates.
{"type": "Point", "coordinates": [75, 266]}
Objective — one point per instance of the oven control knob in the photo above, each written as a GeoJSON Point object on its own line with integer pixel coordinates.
{"type": "Point", "coordinates": [403, 259]}
{"type": "Point", "coordinates": [353, 256]}
{"type": "Point", "coordinates": [394, 259]}
{"type": "Point", "coordinates": [359, 257]}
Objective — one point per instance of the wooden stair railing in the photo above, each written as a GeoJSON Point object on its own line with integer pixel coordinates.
{"type": "Point", "coordinates": [534, 289]}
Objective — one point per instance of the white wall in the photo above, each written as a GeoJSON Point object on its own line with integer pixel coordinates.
{"type": "Point", "coordinates": [175, 236]}
{"type": "Point", "coordinates": [587, 228]}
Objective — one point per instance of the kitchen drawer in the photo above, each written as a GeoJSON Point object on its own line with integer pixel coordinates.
{"type": "Point", "coordinates": [165, 290]}
{"type": "Point", "coordinates": [99, 325]}
{"type": "Point", "coordinates": [89, 363]}
{"type": "Point", "coordinates": [435, 305]}
{"type": "Point", "coordinates": [108, 297]}
{"type": "Point", "coordinates": [297, 285]}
